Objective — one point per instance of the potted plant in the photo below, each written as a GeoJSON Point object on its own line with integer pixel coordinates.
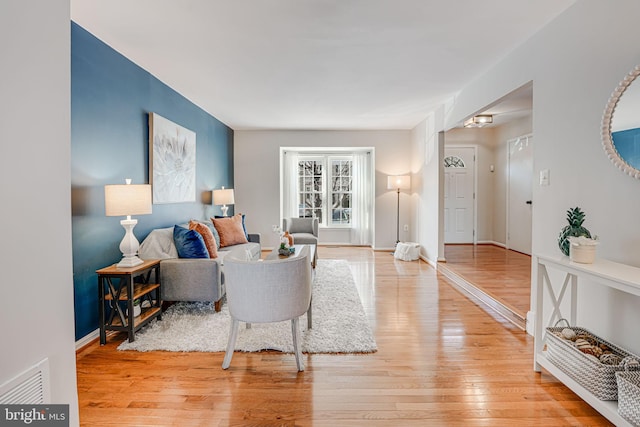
{"type": "Point", "coordinates": [575, 218]}
{"type": "Point", "coordinates": [137, 309]}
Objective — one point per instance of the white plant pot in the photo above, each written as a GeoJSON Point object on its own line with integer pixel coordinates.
{"type": "Point", "coordinates": [136, 311]}
{"type": "Point", "coordinates": [584, 254]}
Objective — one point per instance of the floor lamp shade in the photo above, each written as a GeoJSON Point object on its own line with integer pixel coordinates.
{"type": "Point", "coordinates": [223, 197]}
{"type": "Point", "coordinates": [127, 200]}
{"type": "Point", "coordinates": [398, 182]}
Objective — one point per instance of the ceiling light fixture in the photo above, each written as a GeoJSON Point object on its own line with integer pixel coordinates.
{"type": "Point", "coordinates": [478, 121]}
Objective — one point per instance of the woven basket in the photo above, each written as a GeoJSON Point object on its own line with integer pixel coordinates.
{"type": "Point", "coordinates": [629, 396]}
{"type": "Point", "coordinates": [597, 377]}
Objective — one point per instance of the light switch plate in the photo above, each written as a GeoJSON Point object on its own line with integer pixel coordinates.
{"type": "Point", "coordinates": [544, 177]}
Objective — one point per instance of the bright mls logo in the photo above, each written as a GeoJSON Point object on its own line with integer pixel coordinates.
{"type": "Point", "coordinates": [34, 415]}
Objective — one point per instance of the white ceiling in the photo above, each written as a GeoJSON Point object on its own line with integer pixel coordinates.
{"type": "Point", "coordinates": [315, 64]}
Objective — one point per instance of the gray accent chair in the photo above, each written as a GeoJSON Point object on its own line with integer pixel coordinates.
{"type": "Point", "coordinates": [188, 279]}
{"type": "Point", "coordinates": [304, 232]}
{"type": "Point", "coordinates": [267, 291]}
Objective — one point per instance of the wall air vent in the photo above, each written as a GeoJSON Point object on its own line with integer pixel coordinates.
{"type": "Point", "coordinates": [30, 387]}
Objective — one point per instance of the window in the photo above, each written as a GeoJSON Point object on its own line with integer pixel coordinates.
{"type": "Point", "coordinates": [325, 189]}
{"type": "Point", "coordinates": [336, 186]}
{"type": "Point", "coordinates": [341, 192]}
{"type": "Point", "coordinates": [453, 162]}
{"type": "Point", "coordinates": [311, 188]}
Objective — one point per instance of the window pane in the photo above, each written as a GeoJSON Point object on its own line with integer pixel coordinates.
{"type": "Point", "coordinates": [346, 201]}
{"type": "Point", "coordinates": [335, 184]}
{"type": "Point", "coordinates": [346, 184]}
{"type": "Point", "coordinates": [335, 200]}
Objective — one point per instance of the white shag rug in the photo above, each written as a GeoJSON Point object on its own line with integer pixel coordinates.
{"type": "Point", "coordinates": [339, 323]}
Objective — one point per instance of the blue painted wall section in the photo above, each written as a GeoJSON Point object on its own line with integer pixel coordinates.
{"type": "Point", "coordinates": [111, 98]}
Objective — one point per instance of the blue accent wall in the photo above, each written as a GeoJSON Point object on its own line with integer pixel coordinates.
{"type": "Point", "coordinates": [111, 98]}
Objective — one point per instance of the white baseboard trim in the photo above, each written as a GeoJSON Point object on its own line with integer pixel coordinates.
{"type": "Point", "coordinates": [491, 242]}
{"type": "Point", "coordinates": [384, 249]}
{"type": "Point", "coordinates": [429, 261]}
{"type": "Point", "coordinates": [87, 339]}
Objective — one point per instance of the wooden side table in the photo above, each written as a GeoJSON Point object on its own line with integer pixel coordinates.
{"type": "Point", "coordinates": [118, 288]}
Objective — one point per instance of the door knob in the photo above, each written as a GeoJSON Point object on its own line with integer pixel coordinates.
{"type": "Point", "coordinates": [529, 202]}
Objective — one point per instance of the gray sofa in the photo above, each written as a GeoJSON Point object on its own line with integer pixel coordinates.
{"type": "Point", "coordinates": [191, 279]}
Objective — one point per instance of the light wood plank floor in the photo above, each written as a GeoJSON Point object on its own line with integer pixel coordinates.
{"type": "Point", "coordinates": [442, 361]}
{"type": "Point", "coordinates": [503, 274]}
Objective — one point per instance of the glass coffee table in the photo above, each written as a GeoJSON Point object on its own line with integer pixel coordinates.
{"type": "Point", "coordinates": [297, 249]}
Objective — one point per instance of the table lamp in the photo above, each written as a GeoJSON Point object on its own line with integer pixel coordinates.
{"type": "Point", "coordinates": [223, 197]}
{"type": "Point", "coordinates": [126, 200]}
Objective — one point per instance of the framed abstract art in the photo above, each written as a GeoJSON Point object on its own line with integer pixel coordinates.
{"type": "Point", "coordinates": [172, 161]}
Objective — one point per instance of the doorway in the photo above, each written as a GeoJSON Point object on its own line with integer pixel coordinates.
{"type": "Point", "coordinates": [498, 278]}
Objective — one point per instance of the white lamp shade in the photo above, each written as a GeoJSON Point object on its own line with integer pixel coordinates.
{"type": "Point", "coordinates": [127, 199]}
{"type": "Point", "coordinates": [223, 196]}
{"type": "Point", "coordinates": [399, 182]}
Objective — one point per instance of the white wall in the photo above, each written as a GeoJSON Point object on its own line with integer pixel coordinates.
{"type": "Point", "coordinates": [427, 150]}
{"type": "Point", "coordinates": [37, 282]}
{"type": "Point", "coordinates": [575, 62]}
{"type": "Point", "coordinates": [257, 177]}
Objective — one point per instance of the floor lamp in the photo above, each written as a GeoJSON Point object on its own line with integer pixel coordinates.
{"type": "Point", "coordinates": [398, 182]}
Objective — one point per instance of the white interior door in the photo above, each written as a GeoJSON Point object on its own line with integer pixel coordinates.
{"type": "Point", "coordinates": [519, 199]}
{"type": "Point", "coordinates": [459, 184]}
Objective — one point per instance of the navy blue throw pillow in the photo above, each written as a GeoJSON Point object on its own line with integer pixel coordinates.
{"type": "Point", "coordinates": [189, 243]}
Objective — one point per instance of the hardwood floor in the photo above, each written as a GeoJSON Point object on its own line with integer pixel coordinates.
{"type": "Point", "coordinates": [442, 361]}
{"type": "Point", "coordinates": [503, 274]}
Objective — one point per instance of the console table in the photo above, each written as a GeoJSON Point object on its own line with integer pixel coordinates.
{"type": "Point", "coordinates": [614, 275]}
{"type": "Point", "coordinates": [118, 288]}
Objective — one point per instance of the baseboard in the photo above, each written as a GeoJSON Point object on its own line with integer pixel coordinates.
{"type": "Point", "coordinates": [384, 249]}
{"type": "Point", "coordinates": [87, 339]}
{"type": "Point", "coordinates": [429, 261]}
{"type": "Point", "coordinates": [491, 242]}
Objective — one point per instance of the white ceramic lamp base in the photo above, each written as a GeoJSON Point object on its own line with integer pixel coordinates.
{"type": "Point", "coordinates": [129, 245]}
